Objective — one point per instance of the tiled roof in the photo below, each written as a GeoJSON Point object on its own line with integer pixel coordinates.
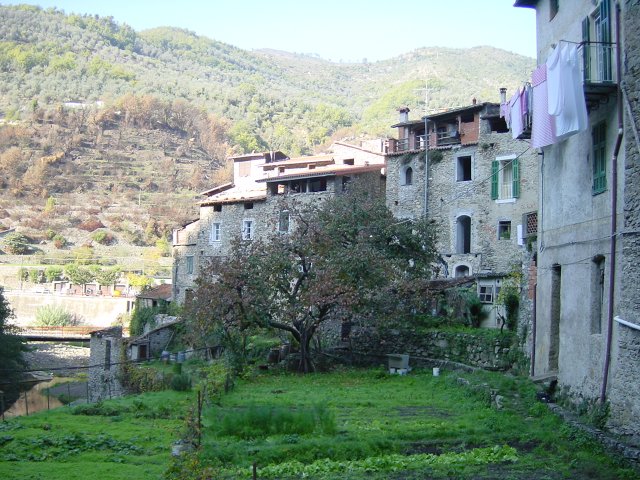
{"type": "Point", "coordinates": [161, 292]}
{"type": "Point", "coordinates": [325, 171]}
{"type": "Point", "coordinates": [237, 194]}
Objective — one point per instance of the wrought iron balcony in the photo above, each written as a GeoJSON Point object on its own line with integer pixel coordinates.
{"type": "Point", "coordinates": [599, 73]}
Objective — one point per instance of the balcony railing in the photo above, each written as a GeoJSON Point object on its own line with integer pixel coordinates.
{"type": "Point", "coordinates": [598, 71]}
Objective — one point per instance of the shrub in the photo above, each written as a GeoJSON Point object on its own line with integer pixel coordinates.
{"type": "Point", "coordinates": [35, 275]}
{"type": "Point", "coordinates": [91, 224]}
{"type": "Point", "coordinates": [102, 237]}
{"type": "Point", "coordinates": [55, 316]}
{"type": "Point", "coordinates": [140, 317]}
{"type": "Point", "coordinates": [50, 234]}
{"type": "Point", "coordinates": [16, 244]}
{"type": "Point", "coordinates": [181, 382]}
{"type": "Point", "coordinates": [59, 241]}
{"type": "Point", "coordinates": [53, 273]}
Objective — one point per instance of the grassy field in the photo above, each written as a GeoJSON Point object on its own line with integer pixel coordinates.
{"type": "Point", "coordinates": [396, 427]}
{"type": "Point", "coordinates": [124, 439]}
{"type": "Point", "coordinates": [344, 425]}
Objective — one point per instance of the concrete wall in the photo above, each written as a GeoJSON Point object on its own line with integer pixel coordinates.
{"type": "Point", "coordinates": [96, 311]}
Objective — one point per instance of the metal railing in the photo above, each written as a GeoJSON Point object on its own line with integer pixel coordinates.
{"type": "Point", "coordinates": [598, 62]}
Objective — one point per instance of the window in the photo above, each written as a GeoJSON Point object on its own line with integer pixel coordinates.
{"type": "Point", "coordinates": [348, 161]}
{"type": "Point", "coordinates": [485, 292]}
{"type": "Point", "coordinates": [283, 221]}
{"type": "Point", "coordinates": [318, 185]}
{"type": "Point", "coordinates": [462, 271]}
{"type": "Point", "coordinates": [346, 181]}
{"type": "Point", "coordinates": [248, 206]}
{"type": "Point", "coordinates": [214, 235]}
{"type": "Point", "coordinates": [463, 169]}
{"type": "Point", "coordinates": [107, 354]}
{"type": "Point", "coordinates": [217, 208]}
{"type": "Point", "coordinates": [504, 230]}
{"type": "Point", "coordinates": [598, 50]}
{"type": "Point", "coordinates": [463, 234]}
{"type": "Point", "coordinates": [597, 293]}
{"type": "Point", "coordinates": [247, 230]}
{"type": "Point", "coordinates": [598, 135]}
{"type": "Point", "coordinates": [244, 169]}
{"type": "Point", "coordinates": [190, 264]}
{"type": "Point", "coordinates": [505, 178]}
{"type": "Point", "coordinates": [408, 176]}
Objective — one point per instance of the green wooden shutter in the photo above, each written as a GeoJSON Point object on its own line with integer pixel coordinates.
{"type": "Point", "coordinates": [495, 166]}
{"type": "Point", "coordinates": [586, 48]}
{"type": "Point", "coordinates": [599, 159]}
{"type": "Point", "coordinates": [515, 191]}
{"type": "Point", "coordinates": [605, 37]}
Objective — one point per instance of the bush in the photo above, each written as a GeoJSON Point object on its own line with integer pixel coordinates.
{"type": "Point", "coordinates": [53, 273]}
{"type": "Point", "coordinates": [55, 316]}
{"type": "Point", "coordinates": [102, 237]}
{"type": "Point", "coordinates": [16, 244]}
{"type": "Point", "coordinates": [181, 382]}
{"type": "Point", "coordinates": [90, 224]}
{"type": "Point", "coordinates": [59, 241]}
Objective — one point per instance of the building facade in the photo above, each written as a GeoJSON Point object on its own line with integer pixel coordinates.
{"type": "Point", "coordinates": [588, 320]}
{"type": "Point", "coordinates": [254, 205]}
{"type": "Point", "coordinates": [476, 183]}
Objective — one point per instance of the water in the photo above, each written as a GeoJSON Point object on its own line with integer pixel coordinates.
{"type": "Point", "coordinates": [36, 398]}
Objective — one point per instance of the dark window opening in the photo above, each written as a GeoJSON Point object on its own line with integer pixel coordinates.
{"type": "Point", "coordinates": [346, 181]}
{"type": "Point", "coordinates": [248, 206]}
{"type": "Point", "coordinates": [283, 221]}
{"type": "Point", "coordinates": [463, 173]}
{"type": "Point", "coordinates": [463, 234]}
{"type": "Point", "coordinates": [107, 354]}
{"type": "Point", "coordinates": [217, 208]}
{"type": "Point", "coordinates": [408, 176]}
{"type": "Point", "coordinates": [462, 271]}
{"type": "Point", "coordinates": [348, 161]}
{"type": "Point", "coordinates": [299, 186]}
{"type": "Point", "coordinates": [318, 185]}
{"type": "Point", "coordinates": [504, 230]}
{"type": "Point", "coordinates": [498, 125]}
{"type": "Point", "coordinates": [597, 293]}
{"type": "Point", "coordinates": [467, 118]}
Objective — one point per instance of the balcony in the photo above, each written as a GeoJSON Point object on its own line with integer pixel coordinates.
{"type": "Point", "coordinates": [600, 78]}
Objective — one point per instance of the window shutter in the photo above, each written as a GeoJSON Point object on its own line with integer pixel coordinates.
{"type": "Point", "coordinates": [516, 178]}
{"type": "Point", "coordinates": [605, 36]}
{"type": "Point", "coordinates": [495, 165]}
{"type": "Point", "coordinates": [586, 52]}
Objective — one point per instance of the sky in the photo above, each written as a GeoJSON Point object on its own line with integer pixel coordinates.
{"type": "Point", "coordinates": [337, 30]}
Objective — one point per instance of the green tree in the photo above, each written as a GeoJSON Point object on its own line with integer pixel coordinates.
{"type": "Point", "coordinates": [107, 276]}
{"type": "Point", "coordinates": [53, 273]}
{"type": "Point", "coordinates": [78, 274]}
{"type": "Point", "coordinates": [11, 348]}
{"type": "Point", "coordinates": [16, 244]}
{"type": "Point", "coordinates": [348, 257]}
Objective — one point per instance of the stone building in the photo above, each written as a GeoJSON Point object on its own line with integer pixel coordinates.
{"type": "Point", "coordinates": [588, 316]}
{"type": "Point", "coordinates": [106, 355]}
{"type": "Point", "coordinates": [253, 205]}
{"type": "Point", "coordinates": [476, 183]}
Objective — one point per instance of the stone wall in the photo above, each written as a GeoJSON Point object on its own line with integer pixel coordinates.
{"type": "Point", "coordinates": [482, 351]}
{"type": "Point", "coordinates": [106, 353]}
{"type": "Point", "coordinates": [624, 390]}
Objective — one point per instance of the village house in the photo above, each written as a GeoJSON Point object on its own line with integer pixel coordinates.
{"type": "Point", "coordinates": [585, 111]}
{"type": "Point", "coordinates": [477, 184]}
{"type": "Point", "coordinates": [251, 206]}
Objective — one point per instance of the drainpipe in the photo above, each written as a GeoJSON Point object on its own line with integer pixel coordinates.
{"type": "Point", "coordinates": [614, 208]}
{"type": "Point", "coordinates": [533, 329]}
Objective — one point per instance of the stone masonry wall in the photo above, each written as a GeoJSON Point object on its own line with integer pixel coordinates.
{"type": "Point", "coordinates": [624, 390]}
{"type": "Point", "coordinates": [104, 380]}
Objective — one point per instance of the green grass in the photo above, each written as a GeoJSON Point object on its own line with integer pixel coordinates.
{"type": "Point", "coordinates": [415, 426]}
{"type": "Point", "coordinates": [120, 439]}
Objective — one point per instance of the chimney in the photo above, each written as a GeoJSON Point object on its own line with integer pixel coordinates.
{"type": "Point", "coordinates": [503, 95]}
{"type": "Point", "coordinates": [474, 101]}
{"type": "Point", "coordinates": [404, 114]}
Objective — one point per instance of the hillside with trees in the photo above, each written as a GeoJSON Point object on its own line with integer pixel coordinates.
{"type": "Point", "coordinates": [122, 129]}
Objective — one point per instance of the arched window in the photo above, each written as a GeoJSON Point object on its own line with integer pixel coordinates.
{"type": "Point", "coordinates": [463, 234]}
{"type": "Point", "coordinates": [408, 176]}
{"type": "Point", "coordinates": [462, 271]}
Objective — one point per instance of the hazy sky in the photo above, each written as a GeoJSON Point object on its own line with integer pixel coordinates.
{"type": "Point", "coordinates": [348, 30]}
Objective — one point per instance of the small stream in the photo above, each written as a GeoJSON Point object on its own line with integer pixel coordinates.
{"type": "Point", "coordinates": [44, 396]}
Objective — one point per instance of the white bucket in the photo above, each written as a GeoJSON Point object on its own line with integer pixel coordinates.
{"type": "Point", "coordinates": [436, 371]}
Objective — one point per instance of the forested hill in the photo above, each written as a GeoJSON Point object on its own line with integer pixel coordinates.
{"type": "Point", "coordinates": [48, 57]}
